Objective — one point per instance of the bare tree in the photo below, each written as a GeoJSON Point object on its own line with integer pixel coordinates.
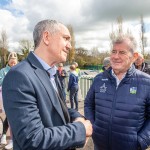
{"type": "Point", "coordinates": [119, 29]}
{"type": "Point", "coordinates": [81, 56]}
{"type": "Point", "coordinates": [71, 55]}
{"type": "Point", "coordinates": [142, 36]}
{"type": "Point", "coordinates": [26, 46]}
{"type": "Point", "coordinates": [3, 48]}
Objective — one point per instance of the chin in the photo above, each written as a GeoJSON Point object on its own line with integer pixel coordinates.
{"type": "Point", "coordinates": [63, 59]}
{"type": "Point", "coordinates": [116, 68]}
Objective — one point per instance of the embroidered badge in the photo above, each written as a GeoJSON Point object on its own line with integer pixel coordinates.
{"type": "Point", "coordinates": [133, 90]}
{"type": "Point", "coordinates": [103, 88]}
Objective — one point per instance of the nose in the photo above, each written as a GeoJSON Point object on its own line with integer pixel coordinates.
{"type": "Point", "coordinates": [69, 45]}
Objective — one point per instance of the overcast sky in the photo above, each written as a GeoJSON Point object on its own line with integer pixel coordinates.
{"type": "Point", "coordinates": [91, 19]}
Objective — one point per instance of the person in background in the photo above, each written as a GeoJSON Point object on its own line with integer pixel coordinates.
{"type": "Point", "coordinates": [106, 64]}
{"type": "Point", "coordinates": [141, 65]}
{"type": "Point", "coordinates": [38, 116]}
{"type": "Point", "coordinates": [12, 61]}
{"type": "Point", "coordinates": [118, 102]}
{"type": "Point", "coordinates": [62, 74]}
{"type": "Point", "coordinates": [73, 87]}
{"type": "Point", "coordinates": [77, 69]}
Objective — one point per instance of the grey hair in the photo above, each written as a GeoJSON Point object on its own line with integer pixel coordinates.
{"type": "Point", "coordinates": [75, 63]}
{"type": "Point", "coordinates": [106, 61]}
{"type": "Point", "coordinates": [140, 55]}
{"type": "Point", "coordinates": [128, 39]}
{"type": "Point", "coordinates": [45, 25]}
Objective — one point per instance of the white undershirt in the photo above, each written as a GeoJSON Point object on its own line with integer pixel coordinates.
{"type": "Point", "coordinates": [117, 79]}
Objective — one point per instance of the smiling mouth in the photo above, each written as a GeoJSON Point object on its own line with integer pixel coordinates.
{"type": "Point", "coordinates": [116, 62]}
{"type": "Point", "coordinates": [66, 51]}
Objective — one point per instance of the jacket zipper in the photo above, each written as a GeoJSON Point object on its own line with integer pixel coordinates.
{"type": "Point", "coordinates": [111, 117]}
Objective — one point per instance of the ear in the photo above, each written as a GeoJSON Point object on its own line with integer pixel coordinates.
{"type": "Point", "coordinates": [135, 56]}
{"type": "Point", "coordinates": [46, 37]}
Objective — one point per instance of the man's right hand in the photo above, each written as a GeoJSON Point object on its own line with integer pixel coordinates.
{"type": "Point", "coordinates": [88, 128]}
{"type": "Point", "coordinates": [87, 124]}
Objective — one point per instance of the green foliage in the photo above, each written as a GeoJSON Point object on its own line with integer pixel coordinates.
{"type": "Point", "coordinates": [89, 58]}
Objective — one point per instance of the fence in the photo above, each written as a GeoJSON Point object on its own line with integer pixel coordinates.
{"type": "Point", "coordinates": [84, 85]}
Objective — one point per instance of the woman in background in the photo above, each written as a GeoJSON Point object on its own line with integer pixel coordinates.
{"type": "Point", "coordinates": [12, 61]}
{"type": "Point", "coordinates": [73, 87]}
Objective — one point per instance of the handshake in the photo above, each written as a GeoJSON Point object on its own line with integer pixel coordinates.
{"type": "Point", "coordinates": [88, 127]}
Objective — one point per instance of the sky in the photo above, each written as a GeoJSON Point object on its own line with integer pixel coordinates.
{"type": "Point", "coordinates": [92, 20]}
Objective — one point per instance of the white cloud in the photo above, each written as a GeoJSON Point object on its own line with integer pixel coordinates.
{"type": "Point", "coordinates": [91, 20]}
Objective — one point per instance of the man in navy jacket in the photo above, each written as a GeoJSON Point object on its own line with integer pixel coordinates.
{"type": "Point", "coordinates": [118, 102]}
{"type": "Point", "coordinates": [33, 98]}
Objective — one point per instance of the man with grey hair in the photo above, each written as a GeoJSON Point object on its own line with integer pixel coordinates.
{"type": "Point", "coordinates": [118, 102]}
{"type": "Point", "coordinates": [106, 64]}
{"type": "Point", "coordinates": [34, 105]}
{"type": "Point", "coordinates": [141, 65]}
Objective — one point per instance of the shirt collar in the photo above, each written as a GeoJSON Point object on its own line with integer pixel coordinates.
{"type": "Point", "coordinates": [117, 80]}
{"type": "Point", "coordinates": [51, 70]}
{"type": "Point", "coordinates": [114, 75]}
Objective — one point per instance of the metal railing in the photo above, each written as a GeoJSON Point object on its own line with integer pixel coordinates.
{"type": "Point", "coordinates": [84, 85]}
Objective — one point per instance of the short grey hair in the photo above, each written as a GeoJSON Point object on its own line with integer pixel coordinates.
{"type": "Point", "coordinates": [128, 39]}
{"type": "Point", "coordinates": [75, 63]}
{"type": "Point", "coordinates": [106, 61]}
{"type": "Point", "coordinates": [140, 55]}
{"type": "Point", "coordinates": [45, 25]}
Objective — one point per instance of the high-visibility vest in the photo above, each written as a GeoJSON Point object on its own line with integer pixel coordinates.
{"type": "Point", "coordinates": [101, 71]}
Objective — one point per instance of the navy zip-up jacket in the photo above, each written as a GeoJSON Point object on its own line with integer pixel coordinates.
{"type": "Point", "coordinates": [73, 80]}
{"type": "Point", "coordinates": [120, 116]}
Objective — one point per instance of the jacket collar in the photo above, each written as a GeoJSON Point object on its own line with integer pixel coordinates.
{"type": "Point", "coordinates": [34, 61]}
{"type": "Point", "coordinates": [129, 73]}
{"type": "Point", "coordinates": [41, 73]}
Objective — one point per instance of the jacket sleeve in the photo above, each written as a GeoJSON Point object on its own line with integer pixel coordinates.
{"type": "Point", "coordinates": [21, 106]}
{"type": "Point", "coordinates": [89, 104]}
{"type": "Point", "coordinates": [74, 114]}
{"type": "Point", "coordinates": [144, 134]}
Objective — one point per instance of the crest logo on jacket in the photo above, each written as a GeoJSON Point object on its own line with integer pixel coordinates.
{"type": "Point", "coordinates": [103, 88]}
{"type": "Point", "coordinates": [133, 90]}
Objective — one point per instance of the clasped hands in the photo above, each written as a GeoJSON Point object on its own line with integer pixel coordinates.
{"type": "Point", "coordinates": [88, 127]}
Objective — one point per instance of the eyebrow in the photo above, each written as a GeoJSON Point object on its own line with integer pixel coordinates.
{"type": "Point", "coordinates": [68, 37]}
{"type": "Point", "coordinates": [119, 50]}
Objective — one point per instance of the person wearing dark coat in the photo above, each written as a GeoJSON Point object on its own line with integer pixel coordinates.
{"type": "Point", "coordinates": [118, 101]}
{"type": "Point", "coordinates": [38, 116]}
{"type": "Point", "coordinates": [73, 87]}
{"type": "Point", "coordinates": [62, 74]}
